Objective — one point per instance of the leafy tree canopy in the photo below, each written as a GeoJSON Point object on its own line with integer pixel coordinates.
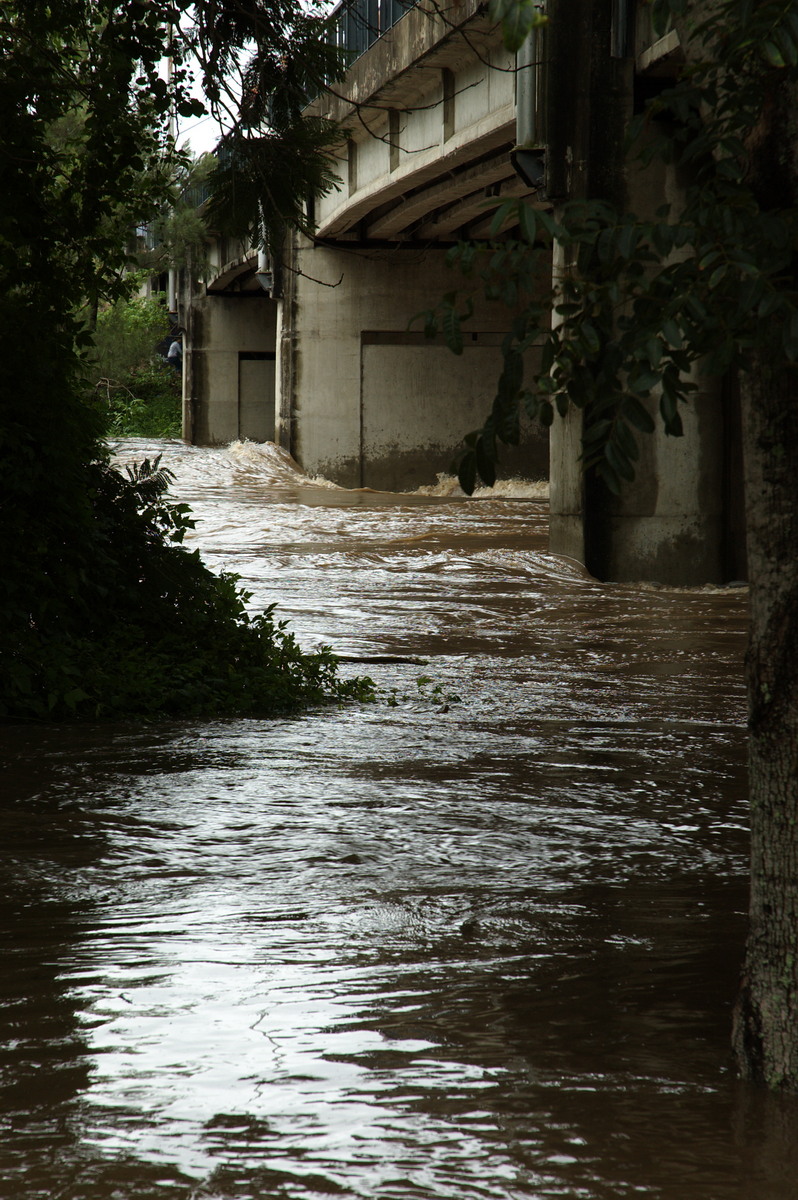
{"type": "Point", "coordinates": [100, 612]}
{"type": "Point", "coordinates": [261, 62]}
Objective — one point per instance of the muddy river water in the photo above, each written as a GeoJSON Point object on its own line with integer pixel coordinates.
{"type": "Point", "coordinates": [477, 940]}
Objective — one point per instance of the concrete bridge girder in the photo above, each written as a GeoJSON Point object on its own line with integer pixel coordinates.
{"type": "Point", "coordinates": [442, 173]}
{"type": "Point", "coordinates": [426, 37]}
{"type": "Point", "coordinates": [235, 276]}
{"type": "Point", "coordinates": [360, 396]}
{"type": "Point", "coordinates": [455, 187]}
{"type": "Point", "coordinates": [474, 215]}
{"type": "Point", "coordinates": [426, 106]}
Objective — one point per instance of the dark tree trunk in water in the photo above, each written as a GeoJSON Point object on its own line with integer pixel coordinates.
{"type": "Point", "coordinates": [766, 1018]}
{"type": "Point", "coordinates": [765, 1034]}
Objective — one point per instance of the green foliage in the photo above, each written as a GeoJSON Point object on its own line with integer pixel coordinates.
{"type": "Point", "coordinates": [518, 18]}
{"type": "Point", "coordinates": [641, 301]}
{"type": "Point", "coordinates": [126, 336]}
{"type": "Point", "coordinates": [274, 156]}
{"type": "Point", "coordinates": [139, 393]}
{"type": "Point", "coordinates": [80, 88]}
{"type": "Point", "coordinates": [282, 53]}
{"type": "Point", "coordinates": [150, 630]}
{"type": "Point", "coordinates": [263, 183]}
{"type": "Point", "coordinates": [101, 613]}
{"type": "Point", "coordinates": [180, 228]}
{"type": "Point", "coordinates": [149, 406]}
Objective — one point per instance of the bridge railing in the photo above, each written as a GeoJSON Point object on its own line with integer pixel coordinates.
{"type": "Point", "coordinates": [357, 24]}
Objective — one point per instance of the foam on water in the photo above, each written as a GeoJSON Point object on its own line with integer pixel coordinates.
{"type": "Point", "coordinates": [270, 465]}
{"type": "Point", "coordinates": [274, 464]}
{"type": "Point", "coordinates": [503, 489]}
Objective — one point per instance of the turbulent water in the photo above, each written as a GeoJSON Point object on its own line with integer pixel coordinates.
{"type": "Point", "coordinates": [478, 940]}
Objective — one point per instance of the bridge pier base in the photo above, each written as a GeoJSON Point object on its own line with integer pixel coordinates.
{"type": "Point", "coordinates": [681, 522]}
{"type": "Point", "coordinates": [229, 385]}
{"type": "Point", "coordinates": [365, 398]}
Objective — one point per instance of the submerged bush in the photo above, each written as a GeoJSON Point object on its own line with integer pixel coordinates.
{"type": "Point", "coordinates": [150, 630]}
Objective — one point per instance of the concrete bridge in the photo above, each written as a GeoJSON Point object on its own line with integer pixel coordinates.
{"type": "Point", "coordinates": [429, 109]}
{"type": "Point", "coordinates": [326, 361]}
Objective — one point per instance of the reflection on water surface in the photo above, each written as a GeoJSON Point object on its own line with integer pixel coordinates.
{"type": "Point", "coordinates": [456, 948]}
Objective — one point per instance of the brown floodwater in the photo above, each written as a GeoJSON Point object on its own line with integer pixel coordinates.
{"type": "Point", "coordinates": [476, 941]}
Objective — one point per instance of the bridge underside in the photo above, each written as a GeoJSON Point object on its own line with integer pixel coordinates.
{"type": "Point", "coordinates": [430, 120]}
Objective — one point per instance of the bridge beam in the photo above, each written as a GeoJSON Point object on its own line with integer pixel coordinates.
{"type": "Point", "coordinates": [471, 180]}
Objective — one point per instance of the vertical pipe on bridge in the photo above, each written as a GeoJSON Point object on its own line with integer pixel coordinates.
{"type": "Point", "coordinates": [528, 156]}
{"type": "Point", "coordinates": [526, 88]}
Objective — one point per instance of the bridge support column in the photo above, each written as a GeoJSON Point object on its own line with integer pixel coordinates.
{"type": "Point", "coordinates": [670, 525]}
{"type": "Point", "coordinates": [365, 398]}
{"type": "Point", "coordinates": [230, 369]}
{"type": "Point", "coordinates": [680, 522]}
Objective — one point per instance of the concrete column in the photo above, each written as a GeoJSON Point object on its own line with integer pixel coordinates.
{"type": "Point", "coordinates": [365, 398]}
{"type": "Point", "coordinates": [671, 524]}
{"type": "Point", "coordinates": [230, 367]}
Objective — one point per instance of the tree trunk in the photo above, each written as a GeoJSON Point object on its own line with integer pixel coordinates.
{"type": "Point", "coordinates": [765, 1035]}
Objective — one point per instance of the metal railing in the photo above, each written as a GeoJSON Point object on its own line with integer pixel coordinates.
{"type": "Point", "coordinates": [196, 195]}
{"type": "Point", "coordinates": [357, 24]}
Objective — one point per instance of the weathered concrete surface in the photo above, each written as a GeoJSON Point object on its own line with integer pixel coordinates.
{"type": "Point", "coordinates": [668, 525]}
{"type": "Point", "coordinates": [678, 523]}
{"type": "Point", "coordinates": [230, 368]}
{"type": "Point", "coordinates": [368, 401]}
{"type": "Point", "coordinates": [429, 118]}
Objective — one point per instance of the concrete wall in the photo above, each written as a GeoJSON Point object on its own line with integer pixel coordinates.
{"type": "Point", "coordinates": [229, 384]}
{"type": "Point", "coordinates": [367, 401]}
{"type": "Point", "coordinates": [679, 521]}
{"type": "Point", "coordinates": [668, 525]}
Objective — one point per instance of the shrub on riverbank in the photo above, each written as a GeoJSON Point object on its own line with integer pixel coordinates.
{"type": "Point", "coordinates": [101, 614]}
{"type": "Point", "coordinates": [148, 629]}
{"type": "Point", "coordinates": [148, 405]}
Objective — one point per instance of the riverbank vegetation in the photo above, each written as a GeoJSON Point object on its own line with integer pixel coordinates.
{"type": "Point", "coordinates": [102, 612]}
{"type": "Point", "coordinates": [139, 394]}
{"type": "Point", "coordinates": [149, 630]}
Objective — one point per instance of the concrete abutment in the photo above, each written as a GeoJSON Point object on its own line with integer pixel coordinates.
{"type": "Point", "coordinates": [229, 385]}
